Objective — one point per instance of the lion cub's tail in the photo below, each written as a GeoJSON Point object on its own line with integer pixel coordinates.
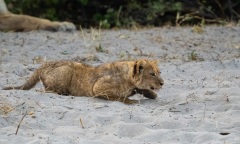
{"type": "Point", "coordinates": [31, 82]}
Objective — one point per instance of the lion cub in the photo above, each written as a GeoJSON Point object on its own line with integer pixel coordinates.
{"type": "Point", "coordinates": [111, 81]}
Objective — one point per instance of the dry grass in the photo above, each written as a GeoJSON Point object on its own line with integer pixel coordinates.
{"type": "Point", "coordinates": [197, 29]}
{"type": "Point", "coordinates": [5, 108]}
{"type": "Point", "coordinates": [3, 52]}
{"type": "Point", "coordinates": [39, 60]}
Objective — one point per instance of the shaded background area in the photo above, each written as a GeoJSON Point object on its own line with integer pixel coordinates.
{"type": "Point", "coordinates": [128, 13]}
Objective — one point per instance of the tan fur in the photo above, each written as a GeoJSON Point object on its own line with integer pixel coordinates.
{"type": "Point", "coordinates": [112, 81]}
{"type": "Point", "coordinates": [14, 22]}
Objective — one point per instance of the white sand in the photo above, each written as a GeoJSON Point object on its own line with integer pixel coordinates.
{"type": "Point", "coordinates": [199, 101]}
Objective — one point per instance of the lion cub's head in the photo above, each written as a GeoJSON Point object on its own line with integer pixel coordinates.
{"type": "Point", "coordinates": [147, 75]}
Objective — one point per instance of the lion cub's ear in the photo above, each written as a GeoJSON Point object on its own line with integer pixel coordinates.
{"type": "Point", "coordinates": [139, 66]}
{"type": "Point", "coordinates": [155, 61]}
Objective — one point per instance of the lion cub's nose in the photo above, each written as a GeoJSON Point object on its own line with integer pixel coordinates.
{"type": "Point", "coordinates": [161, 82]}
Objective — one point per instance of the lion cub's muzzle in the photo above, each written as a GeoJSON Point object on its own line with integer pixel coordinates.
{"type": "Point", "coordinates": [158, 84]}
{"type": "Point", "coordinates": [154, 87]}
{"type": "Point", "coordinates": [161, 81]}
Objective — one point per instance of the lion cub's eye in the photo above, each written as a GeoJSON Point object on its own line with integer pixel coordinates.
{"type": "Point", "coordinates": [152, 74]}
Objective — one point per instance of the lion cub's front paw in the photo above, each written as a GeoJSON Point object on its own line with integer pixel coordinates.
{"type": "Point", "coordinates": [149, 94]}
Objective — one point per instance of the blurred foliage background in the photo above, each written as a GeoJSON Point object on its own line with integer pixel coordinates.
{"type": "Point", "coordinates": [128, 13]}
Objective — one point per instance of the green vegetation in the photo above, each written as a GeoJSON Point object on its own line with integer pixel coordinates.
{"type": "Point", "coordinates": [194, 57]}
{"type": "Point", "coordinates": [128, 13]}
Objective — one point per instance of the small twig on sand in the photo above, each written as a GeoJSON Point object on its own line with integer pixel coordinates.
{"type": "Point", "coordinates": [130, 117]}
{"type": "Point", "coordinates": [204, 110]}
{"type": "Point", "coordinates": [81, 123]}
{"type": "Point", "coordinates": [20, 123]}
{"type": "Point", "coordinates": [23, 41]}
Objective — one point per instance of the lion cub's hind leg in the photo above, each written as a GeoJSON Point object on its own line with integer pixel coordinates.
{"type": "Point", "coordinates": [113, 89]}
{"type": "Point", "coordinates": [57, 80]}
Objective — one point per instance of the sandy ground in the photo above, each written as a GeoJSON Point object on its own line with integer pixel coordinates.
{"type": "Point", "coordinates": [199, 103]}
